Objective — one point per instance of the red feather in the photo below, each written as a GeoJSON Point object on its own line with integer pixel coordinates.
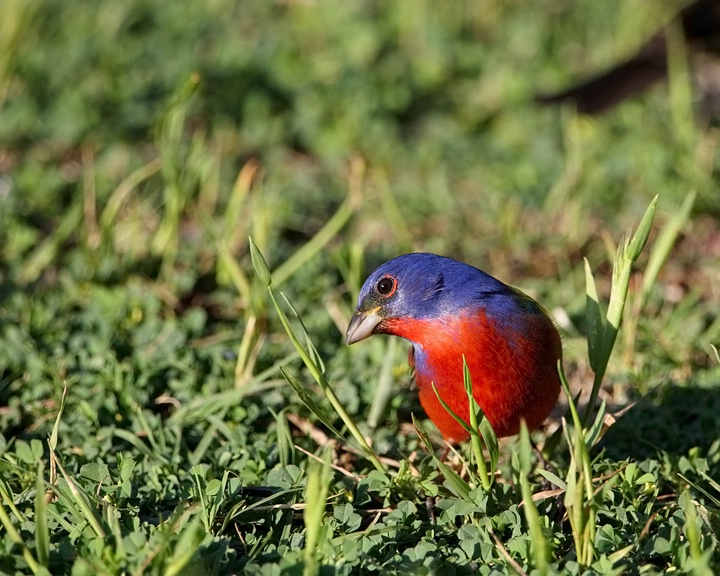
{"type": "Point", "coordinates": [514, 374]}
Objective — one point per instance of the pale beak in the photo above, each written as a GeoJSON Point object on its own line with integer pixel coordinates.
{"type": "Point", "coordinates": [362, 325]}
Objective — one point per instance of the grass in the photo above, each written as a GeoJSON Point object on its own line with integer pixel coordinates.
{"type": "Point", "coordinates": [176, 398]}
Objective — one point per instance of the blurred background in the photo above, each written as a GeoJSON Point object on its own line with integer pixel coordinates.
{"type": "Point", "coordinates": [140, 145]}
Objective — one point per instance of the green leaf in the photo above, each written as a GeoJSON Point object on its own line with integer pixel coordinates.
{"type": "Point", "coordinates": [594, 318]}
{"type": "Point", "coordinates": [663, 244]}
{"type": "Point", "coordinates": [540, 547]}
{"type": "Point", "coordinates": [42, 529]}
{"type": "Point", "coordinates": [310, 403]}
{"type": "Point", "coordinates": [645, 478]}
{"type": "Point", "coordinates": [553, 478]}
{"type": "Point", "coordinates": [185, 549]}
{"type": "Point", "coordinates": [491, 443]}
{"type": "Point", "coordinates": [593, 434]}
{"type": "Point", "coordinates": [95, 471]}
{"type": "Point", "coordinates": [24, 452]}
{"type": "Point", "coordinates": [126, 468]}
{"type": "Point", "coordinates": [261, 267]}
{"type": "Point", "coordinates": [643, 232]}
{"type": "Point", "coordinates": [450, 411]}
{"type": "Point", "coordinates": [476, 415]}
{"type": "Point", "coordinates": [52, 441]}
{"type": "Point", "coordinates": [213, 487]}
{"type": "Point", "coordinates": [309, 345]}
{"type": "Point", "coordinates": [456, 484]}
{"type": "Point", "coordinates": [318, 482]}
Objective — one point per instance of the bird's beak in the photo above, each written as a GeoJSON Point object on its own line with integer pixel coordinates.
{"type": "Point", "coordinates": [362, 325]}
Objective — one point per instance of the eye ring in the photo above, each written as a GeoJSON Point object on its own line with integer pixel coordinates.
{"type": "Point", "coordinates": [386, 286]}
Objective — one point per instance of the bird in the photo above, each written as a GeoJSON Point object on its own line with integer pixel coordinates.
{"type": "Point", "coordinates": [450, 311]}
{"type": "Point", "coordinates": [700, 24]}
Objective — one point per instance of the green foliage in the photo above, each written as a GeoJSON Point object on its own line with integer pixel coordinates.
{"type": "Point", "coordinates": [479, 430]}
{"type": "Point", "coordinates": [165, 409]}
{"type": "Point", "coordinates": [603, 331]}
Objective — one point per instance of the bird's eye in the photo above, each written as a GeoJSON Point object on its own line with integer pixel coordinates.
{"type": "Point", "coordinates": [387, 286]}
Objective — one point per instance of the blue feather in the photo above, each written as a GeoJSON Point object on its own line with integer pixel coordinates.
{"type": "Point", "coordinates": [431, 286]}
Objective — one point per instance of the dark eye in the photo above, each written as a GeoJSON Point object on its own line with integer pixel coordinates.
{"type": "Point", "coordinates": [386, 286]}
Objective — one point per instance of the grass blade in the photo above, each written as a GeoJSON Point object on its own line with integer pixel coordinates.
{"type": "Point", "coordinates": [540, 547]}
{"type": "Point", "coordinates": [89, 513]}
{"type": "Point", "coordinates": [312, 366]}
{"type": "Point", "coordinates": [17, 539]}
{"type": "Point", "coordinates": [42, 529]}
{"type": "Point", "coordinates": [318, 483]}
{"type": "Point", "coordinates": [311, 405]}
{"type": "Point", "coordinates": [185, 549]}
{"type": "Point", "coordinates": [663, 244]}
{"type": "Point", "coordinates": [626, 255]}
{"type": "Point", "coordinates": [595, 324]}
{"type": "Point", "coordinates": [458, 486]}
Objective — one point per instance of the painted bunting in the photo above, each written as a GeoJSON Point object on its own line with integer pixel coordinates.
{"type": "Point", "coordinates": [447, 310]}
{"type": "Point", "coordinates": [700, 24]}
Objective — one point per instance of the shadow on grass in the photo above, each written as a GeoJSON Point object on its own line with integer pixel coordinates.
{"type": "Point", "coordinates": [671, 419]}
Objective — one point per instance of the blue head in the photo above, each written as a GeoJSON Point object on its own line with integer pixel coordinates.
{"type": "Point", "coordinates": [425, 286]}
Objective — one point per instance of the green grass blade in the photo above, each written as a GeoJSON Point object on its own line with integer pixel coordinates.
{"type": "Point", "coordinates": [238, 196]}
{"type": "Point", "coordinates": [491, 443]}
{"type": "Point", "coordinates": [17, 539]}
{"type": "Point", "coordinates": [89, 513]}
{"type": "Point", "coordinates": [318, 484]}
{"type": "Point", "coordinates": [6, 496]}
{"type": "Point", "coordinates": [202, 447]}
{"type": "Point", "coordinates": [540, 547]}
{"type": "Point", "coordinates": [42, 529]}
{"type": "Point", "coordinates": [52, 441]}
{"type": "Point", "coordinates": [708, 495]}
{"type": "Point", "coordinates": [700, 566]}
{"type": "Point", "coordinates": [231, 266]}
{"type": "Point", "coordinates": [450, 411]}
{"type": "Point", "coordinates": [310, 363]}
{"type": "Point", "coordinates": [456, 484]}
{"type": "Point", "coordinates": [309, 345]}
{"type": "Point", "coordinates": [139, 445]}
{"type": "Point", "coordinates": [593, 433]}
{"type": "Point", "coordinates": [595, 324]}
{"type": "Point", "coordinates": [663, 244]}
{"type": "Point", "coordinates": [260, 265]}
{"type": "Point", "coordinates": [680, 90]}
{"type": "Point", "coordinates": [285, 445]}
{"type": "Point", "coordinates": [626, 255]}
{"type": "Point", "coordinates": [112, 519]}
{"type": "Point", "coordinates": [716, 352]}
{"type": "Point", "coordinates": [122, 192]}
{"type": "Point", "coordinates": [41, 257]}
{"type": "Point", "coordinates": [311, 405]}
{"type": "Point", "coordinates": [185, 549]}
{"type": "Point", "coordinates": [475, 443]}
{"type": "Point", "coordinates": [640, 238]}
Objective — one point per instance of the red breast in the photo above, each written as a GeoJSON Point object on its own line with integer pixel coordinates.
{"type": "Point", "coordinates": [514, 372]}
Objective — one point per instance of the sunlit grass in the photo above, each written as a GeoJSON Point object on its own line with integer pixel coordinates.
{"type": "Point", "coordinates": [214, 421]}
